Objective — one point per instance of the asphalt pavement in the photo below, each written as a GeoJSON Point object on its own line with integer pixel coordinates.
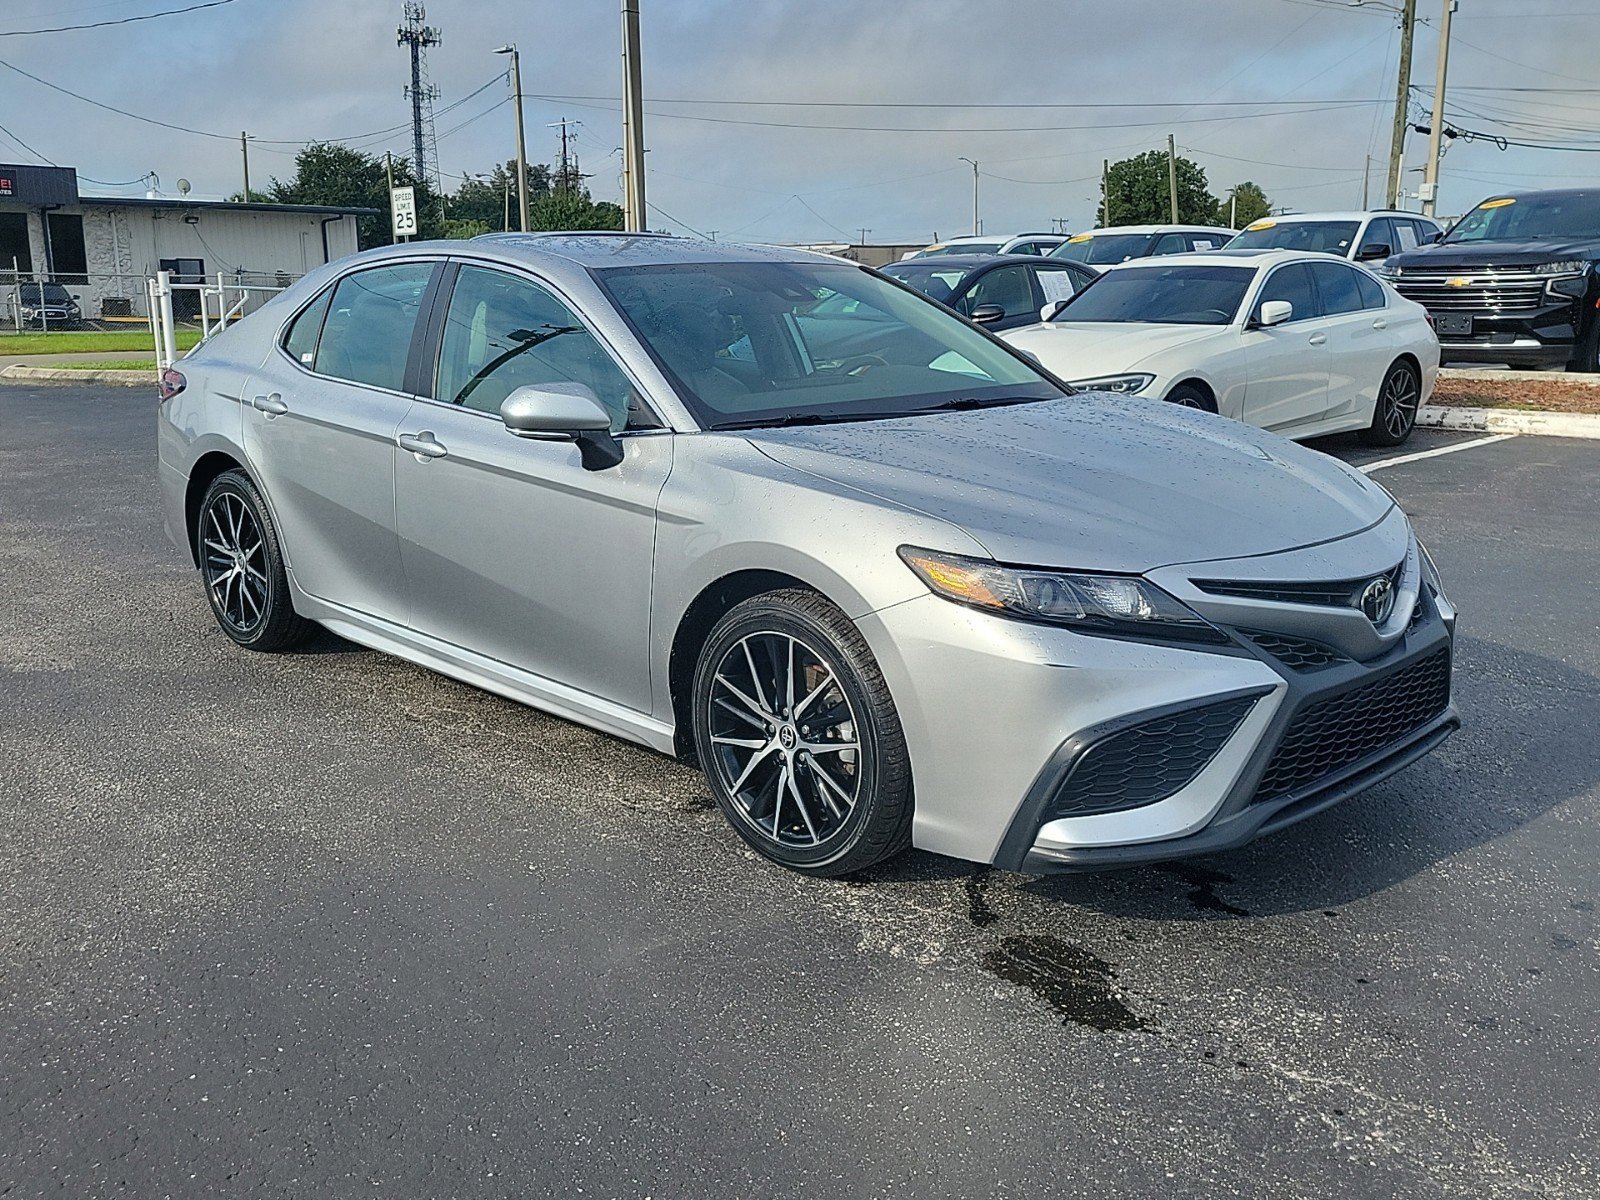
{"type": "Point", "coordinates": [326, 924]}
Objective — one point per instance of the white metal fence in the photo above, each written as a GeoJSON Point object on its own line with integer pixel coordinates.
{"type": "Point", "coordinates": [32, 302]}
{"type": "Point", "coordinates": [214, 304]}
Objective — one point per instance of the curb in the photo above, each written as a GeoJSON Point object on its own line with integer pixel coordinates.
{"type": "Point", "coordinates": [1493, 375]}
{"type": "Point", "coordinates": [1509, 420]}
{"type": "Point", "coordinates": [21, 374]}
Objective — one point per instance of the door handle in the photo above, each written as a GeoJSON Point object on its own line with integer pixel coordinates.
{"type": "Point", "coordinates": [423, 444]}
{"type": "Point", "coordinates": [1319, 339]}
{"type": "Point", "coordinates": [1380, 323]}
{"type": "Point", "coordinates": [272, 405]}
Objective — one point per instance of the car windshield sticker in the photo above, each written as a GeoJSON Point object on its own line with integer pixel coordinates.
{"type": "Point", "coordinates": [1081, 237]}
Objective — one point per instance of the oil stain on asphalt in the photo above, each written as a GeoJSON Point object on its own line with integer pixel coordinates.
{"type": "Point", "coordinates": [1077, 984]}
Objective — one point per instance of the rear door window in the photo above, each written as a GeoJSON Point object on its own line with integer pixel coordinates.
{"type": "Point", "coordinates": [1006, 286]}
{"type": "Point", "coordinates": [371, 319]}
{"type": "Point", "coordinates": [1170, 243]}
{"type": "Point", "coordinates": [1338, 288]}
{"type": "Point", "coordinates": [1372, 294]}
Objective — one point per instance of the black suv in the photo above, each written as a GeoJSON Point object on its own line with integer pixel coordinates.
{"type": "Point", "coordinates": [1515, 281]}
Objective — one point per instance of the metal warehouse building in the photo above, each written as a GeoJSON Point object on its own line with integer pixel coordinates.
{"type": "Point", "coordinates": [104, 248]}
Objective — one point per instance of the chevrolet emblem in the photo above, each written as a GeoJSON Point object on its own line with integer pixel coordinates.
{"type": "Point", "coordinates": [1460, 281]}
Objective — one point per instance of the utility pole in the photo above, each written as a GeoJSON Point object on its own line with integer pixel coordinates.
{"type": "Point", "coordinates": [1233, 208]}
{"type": "Point", "coordinates": [522, 139]}
{"type": "Point", "coordinates": [1105, 193]}
{"type": "Point", "coordinates": [1402, 104]}
{"type": "Point", "coordinates": [244, 150]}
{"type": "Point", "coordinates": [633, 201]}
{"type": "Point", "coordinates": [1366, 183]}
{"type": "Point", "coordinates": [565, 176]}
{"type": "Point", "coordinates": [388, 168]}
{"type": "Point", "coordinates": [1172, 174]}
{"type": "Point", "coordinates": [1430, 185]}
{"type": "Point", "coordinates": [977, 226]}
{"type": "Point", "coordinates": [863, 231]}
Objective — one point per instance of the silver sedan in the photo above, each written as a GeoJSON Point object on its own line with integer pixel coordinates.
{"type": "Point", "coordinates": [886, 581]}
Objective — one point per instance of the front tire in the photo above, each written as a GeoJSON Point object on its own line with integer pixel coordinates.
{"type": "Point", "coordinates": [798, 736]}
{"type": "Point", "coordinates": [1586, 353]}
{"type": "Point", "coordinates": [1187, 395]}
{"type": "Point", "coordinates": [241, 565]}
{"type": "Point", "coordinates": [1394, 415]}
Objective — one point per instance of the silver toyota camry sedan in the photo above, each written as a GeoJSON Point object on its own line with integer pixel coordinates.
{"type": "Point", "coordinates": [886, 581]}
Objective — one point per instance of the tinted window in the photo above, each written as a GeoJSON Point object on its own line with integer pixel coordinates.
{"type": "Point", "coordinates": [301, 340]}
{"type": "Point", "coordinates": [1006, 286]}
{"type": "Point", "coordinates": [1103, 249]}
{"type": "Point", "coordinates": [502, 333]}
{"type": "Point", "coordinates": [1325, 237]}
{"type": "Point", "coordinates": [1426, 231]}
{"type": "Point", "coordinates": [367, 336]}
{"type": "Point", "coordinates": [938, 283]}
{"type": "Point", "coordinates": [1372, 293]}
{"type": "Point", "coordinates": [1291, 283]}
{"type": "Point", "coordinates": [1171, 243]}
{"type": "Point", "coordinates": [1381, 233]}
{"type": "Point", "coordinates": [1187, 295]}
{"type": "Point", "coordinates": [1338, 287]}
{"type": "Point", "coordinates": [743, 343]}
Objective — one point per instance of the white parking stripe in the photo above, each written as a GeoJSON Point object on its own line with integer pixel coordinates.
{"type": "Point", "coordinates": [1368, 468]}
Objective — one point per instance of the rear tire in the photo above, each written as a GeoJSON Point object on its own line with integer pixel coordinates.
{"type": "Point", "coordinates": [241, 566]}
{"type": "Point", "coordinates": [1394, 415]}
{"type": "Point", "coordinates": [798, 736]}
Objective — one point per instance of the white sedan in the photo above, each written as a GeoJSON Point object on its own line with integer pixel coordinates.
{"type": "Point", "coordinates": [1299, 343]}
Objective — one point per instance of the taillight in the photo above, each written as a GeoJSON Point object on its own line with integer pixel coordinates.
{"type": "Point", "coordinates": [171, 383]}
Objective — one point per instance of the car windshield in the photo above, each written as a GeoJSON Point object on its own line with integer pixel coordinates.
{"type": "Point", "coordinates": [961, 248]}
{"type": "Point", "coordinates": [1518, 218]}
{"type": "Point", "coordinates": [1327, 237]}
{"type": "Point", "coordinates": [938, 282]}
{"type": "Point", "coordinates": [1103, 248]}
{"type": "Point", "coordinates": [1162, 295]}
{"type": "Point", "coordinates": [52, 293]}
{"type": "Point", "coordinates": [768, 343]}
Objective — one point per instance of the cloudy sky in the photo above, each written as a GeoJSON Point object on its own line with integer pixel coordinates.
{"type": "Point", "coordinates": [781, 120]}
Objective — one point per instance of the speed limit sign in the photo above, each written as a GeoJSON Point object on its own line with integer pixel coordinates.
{"type": "Point", "coordinates": [403, 211]}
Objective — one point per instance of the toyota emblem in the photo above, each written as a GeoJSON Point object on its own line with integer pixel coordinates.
{"type": "Point", "coordinates": [1377, 599]}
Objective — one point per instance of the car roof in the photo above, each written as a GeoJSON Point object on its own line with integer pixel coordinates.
{"type": "Point", "coordinates": [1350, 215]}
{"type": "Point", "coordinates": [1232, 258]}
{"type": "Point", "coordinates": [968, 262]}
{"type": "Point", "coordinates": [1154, 229]}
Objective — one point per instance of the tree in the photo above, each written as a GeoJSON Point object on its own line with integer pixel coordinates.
{"type": "Point", "coordinates": [1245, 202]}
{"type": "Point", "coordinates": [485, 199]}
{"type": "Point", "coordinates": [573, 210]}
{"type": "Point", "coordinates": [328, 173]}
{"type": "Point", "coordinates": [1140, 192]}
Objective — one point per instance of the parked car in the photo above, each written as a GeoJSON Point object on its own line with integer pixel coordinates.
{"type": "Point", "coordinates": [1103, 247]}
{"type": "Point", "coordinates": [47, 305]}
{"type": "Point", "coordinates": [1295, 342]}
{"type": "Point", "coordinates": [1516, 281]}
{"type": "Point", "coordinates": [614, 476]}
{"type": "Point", "coordinates": [1368, 237]}
{"type": "Point", "coordinates": [977, 244]}
{"type": "Point", "coordinates": [1033, 243]}
{"type": "Point", "coordinates": [999, 292]}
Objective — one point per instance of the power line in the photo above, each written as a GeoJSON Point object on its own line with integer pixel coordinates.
{"type": "Point", "coordinates": [171, 12]}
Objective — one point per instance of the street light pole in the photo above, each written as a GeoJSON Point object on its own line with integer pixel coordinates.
{"type": "Point", "coordinates": [522, 143]}
{"type": "Point", "coordinates": [977, 226]}
{"type": "Point", "coordinates": [1402, 103]}
{"type": "Point", "coordinates": [1430, 186]}
{"type": "Point", "coordinates": [633, 203]}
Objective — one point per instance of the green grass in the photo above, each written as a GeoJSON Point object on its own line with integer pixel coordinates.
{"type": "Point", "coordinates": [88, 341]}
{"type": "Point", "coordinates": [110, 364]}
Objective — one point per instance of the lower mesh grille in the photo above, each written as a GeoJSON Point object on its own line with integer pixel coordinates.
{"type": "Point", "coordinates": [1333, 733]}
{"type": "Point", "coordinates": [1293, 652]}
{"type": "Point", "coordinates": [1147, 762]}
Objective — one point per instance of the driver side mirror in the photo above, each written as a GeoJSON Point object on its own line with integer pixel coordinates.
{"type": "Point", "coordinates": [987, 314]}
{"type": "Point", "coordinates": [556, 412]}
{"type": "Point", "coordinates": [1273, 312]}
{"type": "Point", "coordinates": [1051, 310]}
{"type": "Point", "coordinates": [1375, 251]}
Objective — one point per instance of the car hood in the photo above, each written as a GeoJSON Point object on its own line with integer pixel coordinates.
{"type": "Point", "coordinates": [1527, 253]}
{"type": "Point", "coordinates": [1094, 481]}
{"type": "Point", "coordinates": [1091, 349]}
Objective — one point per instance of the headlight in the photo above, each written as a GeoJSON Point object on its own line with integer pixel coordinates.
{"type": "Point", "coordinates": [1122, 385]}
{"type": "Point", "coordinates": [1571, 266]}
{"type": "Point", "coordinates": [1089, 603]}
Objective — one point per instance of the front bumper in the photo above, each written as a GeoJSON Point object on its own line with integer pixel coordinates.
{"type": "Point", "coordinates": [1543, 338]}
{"type": "Point", "coordinates": [1001, 717]}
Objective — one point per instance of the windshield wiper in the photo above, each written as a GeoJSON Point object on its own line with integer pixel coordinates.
{"type": "Point", "coordinates": [967, 403]}
{"type": "Point", "coordinates": [785, 420]}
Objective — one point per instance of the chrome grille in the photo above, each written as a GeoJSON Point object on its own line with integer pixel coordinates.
{"type": "Point", "coordinates": [1501, 290]}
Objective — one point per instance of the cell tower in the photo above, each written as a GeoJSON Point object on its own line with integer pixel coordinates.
{"type": "Point", "coordinates": [418, 35]}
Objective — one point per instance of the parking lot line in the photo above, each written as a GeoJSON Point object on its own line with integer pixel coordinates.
{"type": "Point", "coordinates": [1368, 468]}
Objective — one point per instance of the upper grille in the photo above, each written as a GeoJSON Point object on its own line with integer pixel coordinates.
{"type": "Point", "coordinates": [1297, 653]}
{"type": "Point", "coordinates": [1330, 734]}
{"type": "Point", "coordinates": [1148, 762]}
{"type": "Point", "coordinates": [1338, 593]}
{"type": "Point", "coordinates": [1499, 290]}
